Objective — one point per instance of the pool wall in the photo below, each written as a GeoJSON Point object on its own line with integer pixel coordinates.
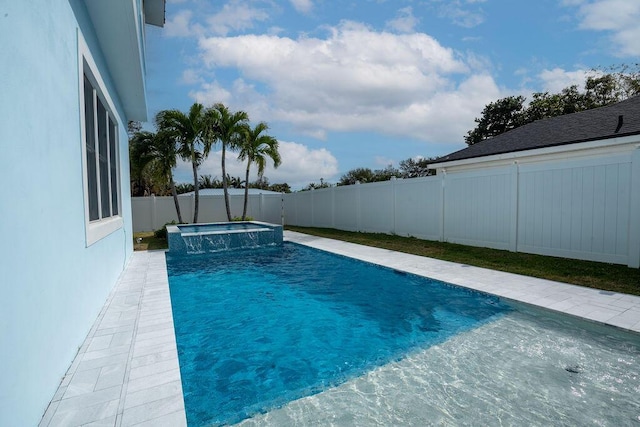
{"type": "Point", "coordinates": [222, 236]}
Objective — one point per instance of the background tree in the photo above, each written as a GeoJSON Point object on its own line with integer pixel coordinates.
{"type": "Point", "coordinates": [601, 88]}
{"type": "Point", "coordinates": [416, 168]}
{"type": "Point", "coordinates": [156, 153]}
{"type": "Point", "coordinates": [207, 181]}
{"type": "Point", "coordinates": [194, 135]}
{"type": "Point", "coordinates": [256, 147]}
{"type": "Point", "coordinates": [280, 188]}
{"type": "Point", "coordinates": [498, 117]}
{"type": "Point", "coordinates": [184, 187]}
{"type": "Point", "coordinates": [316, 186]}
{"type": "Point", "coordinates": [362, 175]}
{"type": "Point", "coordinates": [133, 126]}
{"type": "Point", "coordinates": [139, 158]}
{"type": "Point", "coordinates": [228, 130]}
{"type": "Point", "coordinates": [386, 174]}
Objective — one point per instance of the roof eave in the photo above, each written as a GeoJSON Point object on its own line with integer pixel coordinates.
{"type": "Point", "coordinates": [119, 31]}
{"type": "Point", "coordinates": [154, 12]}
{"type": "Point", "coordinates": [613, 140]}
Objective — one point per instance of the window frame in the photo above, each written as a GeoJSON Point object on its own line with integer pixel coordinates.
{"type": "Point", "coordinates": [97, 229]}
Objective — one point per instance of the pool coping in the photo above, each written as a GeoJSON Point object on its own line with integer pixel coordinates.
{"type": "Point", "coordinates": [605, 307]}
{"type": "Point", "coordinates": [126, 372]}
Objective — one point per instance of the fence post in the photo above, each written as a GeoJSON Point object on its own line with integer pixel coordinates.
{"type": "Point", "coordinates": [282, 208]}
{"type": "Point", "coordinates": [394, 205]}
{"type": "Point", "coordinates": [442, 202]}
{"type": "Point", "coordinates": [515, 190]}
{"type": "Point", "coordinates": [634, 211]}
{"type": "Point", "coordinates": [313, 207]}
{"type": "Point", "coordinates": [333, 207]}
{"type": "Point", "coordinates": [358, 208]}
{"type": "Point", "coordinates": [153, 212]}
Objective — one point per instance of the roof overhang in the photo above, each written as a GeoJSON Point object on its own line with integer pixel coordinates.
{"type": "Point", "coordinates": [604, 145]}
{"type": "Point", "coordinates": [154, 12]}
{"type": "Point", "coordinates": [120, 34]}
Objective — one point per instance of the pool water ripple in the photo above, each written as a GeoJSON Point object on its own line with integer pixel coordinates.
{"type": "Point", "coordinates": [259, 329]}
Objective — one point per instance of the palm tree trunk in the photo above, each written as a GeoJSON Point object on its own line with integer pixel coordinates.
{"type": "Point", "coordinates": [224, 182]}
{"type": "Point", "coordinates": [174, 193]}
{"type": "Point", "coordinates": [195, 187]}
{"type": "Point", "coordinates": [246, 191]}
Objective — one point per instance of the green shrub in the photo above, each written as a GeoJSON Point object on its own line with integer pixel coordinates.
{"type": "Point", "coordinates": [161, 233]}
{"type": "Point", "coordinates": [239, 218]}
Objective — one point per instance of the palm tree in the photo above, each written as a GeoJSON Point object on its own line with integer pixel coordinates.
{"type": "Point", "coordinates": [156, 153]}
{"type": "Point", "coordinates": [229, 130]}
{"type": "Point", "coordinates": [256, 147]}
{"type": "Point", "coordinates": [139, 158]}
{"type": "Point", "coordinates": [194, 134]}
{"type": "Point", "coordinates": [207, 181]}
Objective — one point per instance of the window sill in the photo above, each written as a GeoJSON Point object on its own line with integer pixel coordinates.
{"type": "Point", "coordinates": [100, 229]}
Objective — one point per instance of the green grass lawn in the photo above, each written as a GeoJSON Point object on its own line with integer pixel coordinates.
{"type": "Point", "coordinates": [609, 277]}
{"type": "Point", "coordinates": [149, 242]}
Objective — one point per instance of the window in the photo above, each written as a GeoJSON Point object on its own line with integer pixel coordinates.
{"type": "Point", "coordinates": [100, 157]}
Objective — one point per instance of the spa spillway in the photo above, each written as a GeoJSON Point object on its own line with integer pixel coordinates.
{"type": "Point", "coordinates": [222, 236]}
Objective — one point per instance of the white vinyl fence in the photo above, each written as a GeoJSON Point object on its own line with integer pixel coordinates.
{"type": "Point", "coordinates": [586, 208]}
{"type": "Point", "coordinates": [151, 213]}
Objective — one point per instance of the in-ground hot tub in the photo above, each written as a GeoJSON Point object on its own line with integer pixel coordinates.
{"type": "Point", "coordinates": [222, 236]}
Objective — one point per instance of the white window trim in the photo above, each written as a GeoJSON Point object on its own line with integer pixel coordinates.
{"type": "Point", "coordinates": [98, 229]}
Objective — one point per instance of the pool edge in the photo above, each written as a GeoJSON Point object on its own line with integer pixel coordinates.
{"type": "Point", "coordinates": [619, 310]}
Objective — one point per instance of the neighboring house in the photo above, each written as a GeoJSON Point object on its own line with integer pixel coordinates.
{"type": "Point", "coordinates": [72, 76]}
{"type": "Point", "coordinates": [569, 185]}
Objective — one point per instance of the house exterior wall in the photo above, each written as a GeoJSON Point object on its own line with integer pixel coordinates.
{"type": "Point", "coordinates": [53, 283]}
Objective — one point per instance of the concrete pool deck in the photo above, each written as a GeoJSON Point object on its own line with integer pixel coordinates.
{"type": "Point", "coordinates": [126, 373]}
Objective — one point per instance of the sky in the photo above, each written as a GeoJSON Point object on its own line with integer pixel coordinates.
{"type": "Point", "coordinates": [368, 83]}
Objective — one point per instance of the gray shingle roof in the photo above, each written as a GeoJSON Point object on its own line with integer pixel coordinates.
{"type": "Point", "coordinates": [599, 123]}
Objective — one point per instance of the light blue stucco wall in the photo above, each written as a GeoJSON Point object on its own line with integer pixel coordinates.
{"type": "Point", "coordinates": [52, 286]}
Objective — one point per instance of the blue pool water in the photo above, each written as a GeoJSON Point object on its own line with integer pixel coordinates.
{"type": "Point", "coordinates": [258, 329]}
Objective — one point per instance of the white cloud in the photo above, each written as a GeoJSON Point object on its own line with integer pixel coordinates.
{"type": "Point", "coordinates": [300, 165]}
{"type": "Point", "coordinates": [210, 93]}
{"type": "Point", "coordinates": [236, 15]}
{"type": "Point", "coordinates": [404, 22]}
{"type": "Point", "coordinates": [618, 17]}
{"type": "Point", "coordinates": [191, 77]}
{"type": "Point", "coordinates": [356, 79]}
{"type": "Point", "coordinates": [557, 79]}
{"type": "Point", "coordinates": [302, 6]}
{"type": "Point", "coordinates": [180, 25]}
{"type": "Point", "coordinates": [460, 12]}
{"type": "Point", "coordinates": [383, 162]}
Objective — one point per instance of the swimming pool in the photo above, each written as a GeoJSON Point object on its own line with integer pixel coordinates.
{"type": "Point", "coordinates": [272, 331]}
